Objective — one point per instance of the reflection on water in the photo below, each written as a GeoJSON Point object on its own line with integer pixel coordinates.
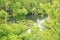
{"type": "Point", "coordinates": [29, 30]}
{"type": "Point", "coordinates": [39, 23]}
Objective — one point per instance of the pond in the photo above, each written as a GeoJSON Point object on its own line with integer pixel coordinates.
{"type": "Point", "coordinates": [38, 21]}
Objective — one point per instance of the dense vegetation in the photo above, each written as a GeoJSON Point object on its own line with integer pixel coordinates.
{"type": "Point", "coordinates": [14, 25]}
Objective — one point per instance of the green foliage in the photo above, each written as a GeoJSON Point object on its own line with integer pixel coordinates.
{"type": "Point", "coordinates": [11, 32]}
{"type": "Point", "coordinates": [20, 13]}
{"type": "Point", "coordinates": [19, 29]}
{"type": "Point", "coordinates": [2, 14]}
{"type": "Point", "coordinates": [18, 9]}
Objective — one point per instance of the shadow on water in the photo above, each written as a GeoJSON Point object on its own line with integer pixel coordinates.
{"type": "Point", "coordinates": [35, 17]}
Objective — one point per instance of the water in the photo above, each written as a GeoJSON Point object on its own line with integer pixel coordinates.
{"type": "Point", "coordinates": [29, 30]}
{"type": "Point", "coordinates": [39, 22]}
